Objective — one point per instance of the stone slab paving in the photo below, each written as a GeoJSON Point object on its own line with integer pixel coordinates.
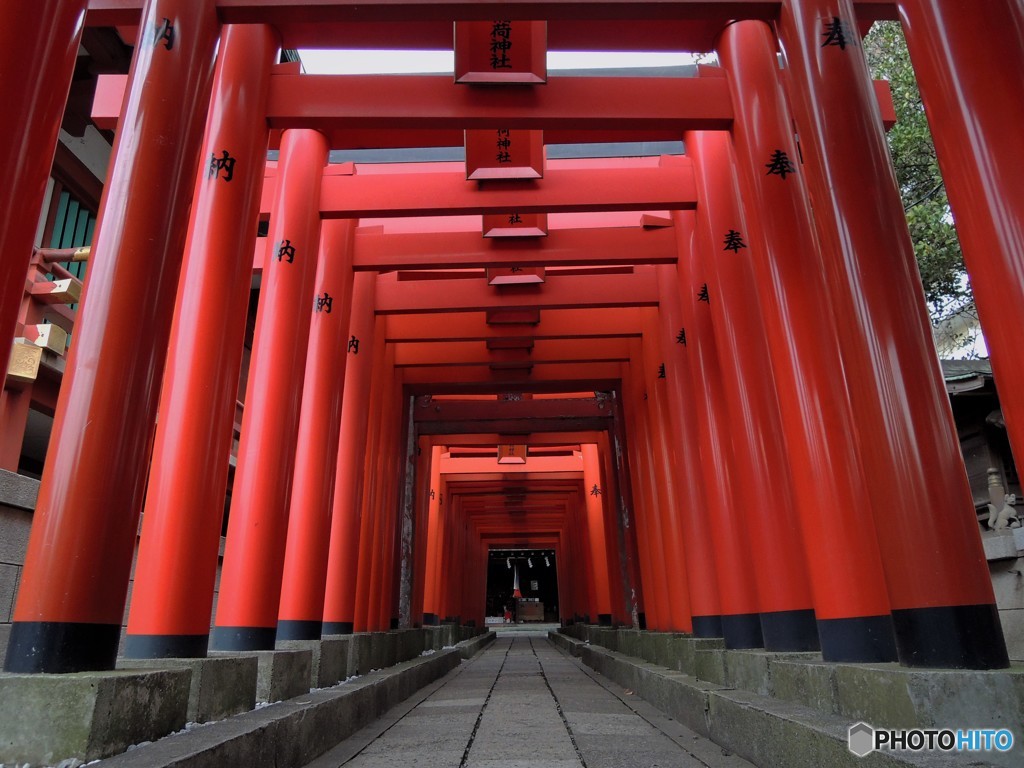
{"type": "Point", "coordinates": [523, 703]}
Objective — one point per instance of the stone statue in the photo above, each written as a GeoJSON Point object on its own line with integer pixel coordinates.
{"type": "Point", "coordinates": [1001, 512]}
{"type": "Point", "coordinates": [1005, 517]}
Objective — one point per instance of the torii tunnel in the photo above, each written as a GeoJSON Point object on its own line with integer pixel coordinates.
{"type": "Point", "coordinates": [703, 379]}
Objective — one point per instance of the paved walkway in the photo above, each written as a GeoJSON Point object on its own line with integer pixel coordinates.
{"type": "Point", "coordinates": [523, 703]}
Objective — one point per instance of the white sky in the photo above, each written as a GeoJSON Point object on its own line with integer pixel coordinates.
{"type": "Point", "coordinates": [351, 62]}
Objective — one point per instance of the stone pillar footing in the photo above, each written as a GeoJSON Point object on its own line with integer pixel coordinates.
{"type": "Point", "coordinates": [45, 719]}
{"type": "Point", "coordinates": [221, 686]}
{"type": "Point", "coordinates": [331, 659]}
{"type": "Point", "coordinates": [729, 694]}
{"type": "Point", "coordinates": [280, 675]}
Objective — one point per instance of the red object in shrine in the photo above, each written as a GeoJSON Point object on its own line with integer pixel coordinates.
{"type": "Point", "coordinates": [75, 579]}
{"type": "Point", "coordinates": [177, 561]}
{"type": "Point", "coordinates": [504, 153]}
{"type": "Point", "coordinates": [501, 52]}
{"type": "Point", "coordinates": [309, 516]}
{"type": "Point", "coordinates": [515, 224]}
{"type": "Point", "coordinates": [250, 587]}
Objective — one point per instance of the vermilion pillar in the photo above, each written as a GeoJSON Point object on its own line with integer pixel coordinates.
{"type": "Point", "coordinates": [617, 474]}
{"type": "Point", "coordinates": [581, 571]}
{"type": "Point", "coordinates": [250, 586]}
{"type": "Point", "coordinates": [177, 562]}
{"type": "Point", "coordinates": [430, 590]}
{"type": "Point", "coordinates": [969, 67]}
{"type": "Point", "coordinates": [371, 535]}
{"type": "Point", "coordinates": [38, 49]}
{"type": "Point", "coordinates": [73, 586]}
{"type": "Point", "coordinates": [668, 508]}
{"type": "Point", "coordinates": [937, 576]}
{"type": "Point", "coordinates": [411, 473]}
{"type": "Point", "coordinates": [420, 530]}
{"type": "Point", "coordinates": [309, 517]}
{"type": "Point", "coordinates": [577, 521]}
{"type": "Point", "coordinates": [741, 625]}
{"type": "Point", "coordinates": [473, 578]}
{"type": "Point", "coordinates": [345, 544]}
{"type": "Point", "coordinates": [449, 561]}
{"type": "Point", "coordinates": [850, 595]}
{"type": "Point", "coordinates": [595, 525]}
{"type": "Point", "coordinates": [648, 531]}
{"type": "Point", "coordinates": [685, 455]}
{"type": "Point", "coordinates": [383, 592]}
{"type": "Point", "coordinates": [615, 541]}
{"type": "Point", "coordinates": [567, 609]}
{"type": "Point", "coordinates": [457, 570]}
{"type": "Point", "coordinates": [762, 475]}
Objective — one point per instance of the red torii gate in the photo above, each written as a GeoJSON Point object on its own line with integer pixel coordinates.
{"type": "Point", "coordinates": [72, 595]}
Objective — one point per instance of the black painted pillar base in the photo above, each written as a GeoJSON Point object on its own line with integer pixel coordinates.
{"type": "Point", "coordinates": [604, 619]}
{"type": "Point", "coordinates": [299, 630]}
{"type": "Point", "coordinates": [858, 639]}
{"type": "Point", "coordinates": [430, 620]}
{"type": "Point", "coordinates": [165, 646]}
{"type": "Point", "coordinates": [394, 622]}
{"type": "Point", "coordinates": [951, 637]}
{"type": "Point", "coordinates": [338, 628]}
{"type": "Point", "coordinates": [243, 638]}
{"type": "Point", "coordinates": [790, 631]}
{"type": "Point", "coordinates": [641, 620]}
{"type": "Point", "coordinates": [707, 626]}
{"type": "Point", "coordinates": [742, 630]}
{"type": "Point", "coordinates": [60, 646]}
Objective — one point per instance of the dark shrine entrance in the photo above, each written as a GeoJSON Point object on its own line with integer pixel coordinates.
{"type": "Point", "coordinates": [538, 584]}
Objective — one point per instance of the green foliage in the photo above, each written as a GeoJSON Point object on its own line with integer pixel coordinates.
{"type": "Point", "coordinates": [924, 196]}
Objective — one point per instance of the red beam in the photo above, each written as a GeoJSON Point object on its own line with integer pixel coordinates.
{"type": "Point", "coordinates": [382, 111]}
{"type": "Point", "coordinates": [543, 352]}
{"type": "Point", "coordinates": [406, 14]}
{"type": "Point", "coordinates": [401, 297]}
{"type": "Point", "coordinates": [326, 102]}
{"type": "Point", "coordinates": [513, 426]}
{"type": "Point", "coordinates": [436, 194]}
{"type": "Point", "coordinates": [596, 376]}
{"type": "Point", "coordinates": [401, 111]}
{"type": "Point", "coordinates": [538, 439]}
{"type": "Point", "coordinates": [566, 247]}
{"type": "Point", "coordinates": [389, 138]}
{"type": "Point", "coordinates": [563, 35]}
{"type": "Point", "coordinates": [554, 324]}
{"type": "Point", "coordinates": [485, 483]}
{"type": "Point", "coordinates": [533, 464]}
{"type": "Point", "coordinates": [489, 510]}
{"type": "Point", "coordinates": [483, 410]}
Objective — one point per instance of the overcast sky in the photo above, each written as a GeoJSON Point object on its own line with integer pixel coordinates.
{"type": "Point", "coordinates": [320, 62]}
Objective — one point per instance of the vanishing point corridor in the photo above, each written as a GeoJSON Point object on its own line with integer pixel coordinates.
{"type": "Point", "coordinates": [315, 373]}
{"type": "Point", "coordinates": [523, 703]}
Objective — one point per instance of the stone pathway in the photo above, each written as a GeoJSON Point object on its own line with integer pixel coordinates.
{"type": "Point", "coordinates": [523, 703]}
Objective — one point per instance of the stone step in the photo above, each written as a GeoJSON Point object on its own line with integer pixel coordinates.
{"type": "Point", "coordinates": [45, 719]}
{"type": "Point", "coordinates": [743, 711]}
{"type": "Point", "coordinates": [291, 733]}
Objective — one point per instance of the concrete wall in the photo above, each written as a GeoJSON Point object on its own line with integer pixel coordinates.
{"type": "Point", "coordinates": [17, 500]}
{"type": "Point", "coordinates": [14, 527]}
{"type": "Point", "coordinates": [1005, 552]}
